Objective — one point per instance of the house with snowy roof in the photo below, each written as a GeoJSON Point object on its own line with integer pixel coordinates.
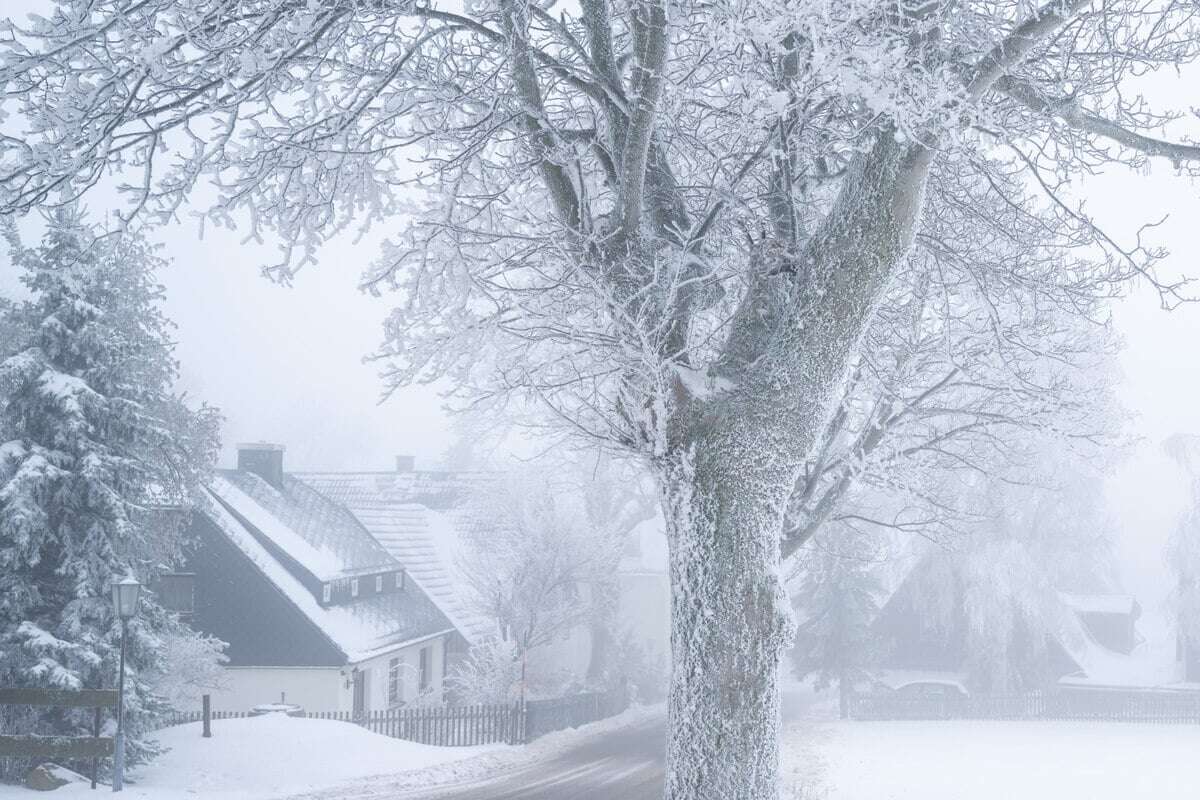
{"type": "Point", "coordinates": [414, 516]}
{"type": "Point", "coordinates": [410, 514]}
{"type": "Point", "coordinates": [1095, 644]}
{"type": "Point", "coordinates": [316, 612]}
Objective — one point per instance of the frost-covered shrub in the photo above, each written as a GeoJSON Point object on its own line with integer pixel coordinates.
{"type": "Point", "coordinates": [491, 673]}
{"type": "Point", "coordinates": [191, 667]}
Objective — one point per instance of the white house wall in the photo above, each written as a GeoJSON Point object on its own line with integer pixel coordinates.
{"type": "Point", "coordinates": [312, 688]}
{"type": "Point", "coordinates": [410, 666]}
{"type": "Point", "coordinates": [330, 688]}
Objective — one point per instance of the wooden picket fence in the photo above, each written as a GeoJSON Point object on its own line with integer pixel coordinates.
{"type": "Point", "coordinates": [1085, 704]}
{"type": "Point", "coordinates": [464, 726]}
{"type": "Point", "coordinates": [184, 717]}
{"type": "Point", "coordinates": [451, 726]}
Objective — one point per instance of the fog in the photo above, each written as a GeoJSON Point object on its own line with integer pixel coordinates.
{"type": "Point", "coordinates": [721, 292]}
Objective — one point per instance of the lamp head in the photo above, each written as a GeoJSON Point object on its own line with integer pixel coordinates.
{"type": "Point", "coordinates": [125, 595]}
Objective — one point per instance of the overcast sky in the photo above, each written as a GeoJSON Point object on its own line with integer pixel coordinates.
{"type": "Point", "coordinates": [285, 364]}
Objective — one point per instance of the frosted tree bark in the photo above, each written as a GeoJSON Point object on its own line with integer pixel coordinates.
{"type": "Point", "coordinates": [725, 492]}
{"type": "Point", "coordinates": [729, 625]}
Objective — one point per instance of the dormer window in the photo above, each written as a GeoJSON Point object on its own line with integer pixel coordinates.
{"type": "Point", "coordinates": [177, 592]}
{"type": "Point", "coordinates": [400, 580]}
{"type": "Point", "coordinates": [326, 592]}
{"type": "Point", "coordinates": [378, 583]}
{"type": "Point", "coordinates": [354, 587]}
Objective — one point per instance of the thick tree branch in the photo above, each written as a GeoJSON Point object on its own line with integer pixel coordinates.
{"type": "Point", "coordinates": [1071, 113]}
{"type": "Point", "coordinates": [651, 21]}
{"type": "Point", "coordinates": [558, 182]}
{"type": "Point", "coordinates": [1019, 43]}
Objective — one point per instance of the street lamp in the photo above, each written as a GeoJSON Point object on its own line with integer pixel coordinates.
{"type": "Point", "coordinates": [125, 593]}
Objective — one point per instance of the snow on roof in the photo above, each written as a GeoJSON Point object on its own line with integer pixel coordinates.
{"type": "Point", "coordinates": [361, 630]}
{"type": "Point", "coordinates": [436, 489]}
{"type": "Point", "coordinates": [1101, 603]}
{"type": "Point", "coordinates": [426, 542]}
{"type": "Point", "coordinates": [1150, 664]}
{"type": "Point", "coordinates": [321, 535]}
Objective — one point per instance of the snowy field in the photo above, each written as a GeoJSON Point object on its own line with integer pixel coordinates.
{"type": "Point", "coordinates": [998, 760]}
{"type": "Point", "coordinates": [270, 756]}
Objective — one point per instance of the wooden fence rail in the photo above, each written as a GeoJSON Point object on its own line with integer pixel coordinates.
{"type": "Point", "coordinates": [1101, 705]}
{"type": "Point", "coordinates": [464, 726]}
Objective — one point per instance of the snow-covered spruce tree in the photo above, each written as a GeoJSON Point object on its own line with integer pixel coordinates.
{"type": "Point", "coordinates": [93, 443]}
{"type": "Point", "coordinates": [839, 592]}
{"type": "Point", "coordinates": [668, 222]}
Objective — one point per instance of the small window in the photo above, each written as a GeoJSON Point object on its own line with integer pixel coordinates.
{"type": "Point", "coordinates": [354, 587]}
{"type": "Point", "coordinates": [395, 687]}
{"type": "Point", "coordinates": [177, 592]}
{"type": "Point", "coordinates": [426, 653]}
{"type": "Point", "coordinates": [400, 580]}
{"type": "Point", "coordinates": [326, 592]}
{"type": "Point", "coordinates": [378, 583]}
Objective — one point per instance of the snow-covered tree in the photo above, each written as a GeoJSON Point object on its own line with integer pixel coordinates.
{"type": "Point", "coordinates": [838, 599]}
{"type": "Point", "coordinates": [492, 672]}
{"type": "Point", "coordinates": [616, 499]}
{"type": "Point", "coordinates": [191, 667]}
{"type": "Point", "coordinates": [992, 596]}
{"type": "Point", "coordinates": [95, 447]}
{"type": "Point", "coordinates": [528, 558]}
{"type": "Point", "coordinates": [10, 333]}
{"type": "Point", "coordinates": [670, 223]}
{"type": "Point", "coordinates": [953, 384]}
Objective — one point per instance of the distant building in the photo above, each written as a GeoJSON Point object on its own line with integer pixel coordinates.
{"type": "Point", "coordinates": [1096, 644]}
{"type": "Point", "coordinates": [316, 612]}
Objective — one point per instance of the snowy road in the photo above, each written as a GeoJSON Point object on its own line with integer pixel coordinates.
{"type": "Point", "coordinates": [619, 759]}
{"type": "Point", "coordinates": [626, 765]}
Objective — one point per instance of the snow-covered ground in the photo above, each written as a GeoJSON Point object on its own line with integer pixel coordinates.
{"type": "Point", "coordinates": [994, 760]}
{"type": "Point", "coordinates": [271, 756]}
{"type": "Point", "coordinates": [492, 765]}
{"type": "Point", "coordinates": [276, 756]}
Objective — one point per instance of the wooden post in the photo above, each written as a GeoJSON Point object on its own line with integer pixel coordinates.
{"type": "Point", "coordinates": [95, 735]}
{"type": "Point", "coordinates": [206, 702]}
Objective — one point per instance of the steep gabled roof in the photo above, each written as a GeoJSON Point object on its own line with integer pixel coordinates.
{"type": "Point", "coordinates": [409, 514]}
{"type": "Point", "coordinates": [426, 542]}
{"type": "Point", "coordinates": [366, 627]}
{"type": "Point", "coordinates": [320, 534]}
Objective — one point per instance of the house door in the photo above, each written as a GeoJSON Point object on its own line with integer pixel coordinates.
{"type": "Point", "coordinates": [360, 693]}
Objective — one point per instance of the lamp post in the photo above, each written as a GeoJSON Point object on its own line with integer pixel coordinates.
{"type": "Point", "coordinates": [125, 593]}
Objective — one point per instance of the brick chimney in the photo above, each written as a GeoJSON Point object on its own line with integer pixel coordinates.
{"type": "Point", "coordinates": [263, 459]}
{"type": "Point", "coordinates": [406, 463]}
